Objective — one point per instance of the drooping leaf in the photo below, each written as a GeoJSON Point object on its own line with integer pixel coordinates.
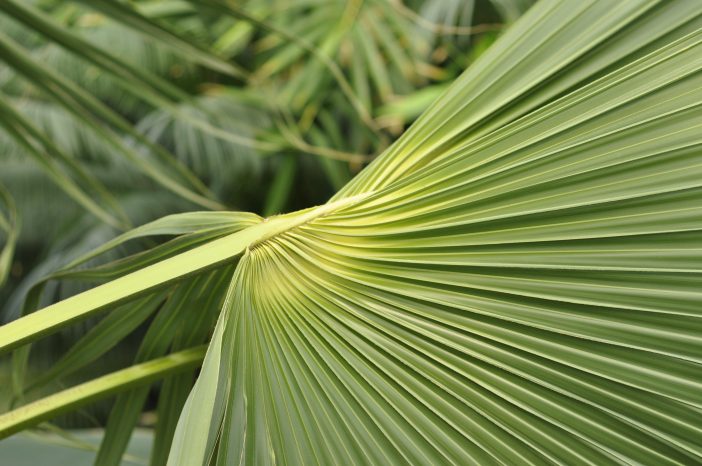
{"type": "Point", "coordinates": [101, 338]}
{"type": "Point", "coordinates": [194, 228]}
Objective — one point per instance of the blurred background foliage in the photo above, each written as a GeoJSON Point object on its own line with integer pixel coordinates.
{"type": "Point", "coordinates": [115, 113]}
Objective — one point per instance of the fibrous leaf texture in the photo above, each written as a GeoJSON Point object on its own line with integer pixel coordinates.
{"type": "Point", "coordinates": [516, 281]}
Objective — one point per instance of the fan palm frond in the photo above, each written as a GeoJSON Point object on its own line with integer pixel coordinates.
{"type": "Point", "coordinates": [515, 281]}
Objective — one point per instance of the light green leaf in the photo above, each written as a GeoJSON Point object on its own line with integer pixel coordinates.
{"type": "Point", "coordinates": [175, 328]}
{"type": "Point", "coordinates": [140, 374]}
{"type": "Point", "coordinates": [200, 421]}
{"type": "Point", "coordinates": [101, 338]}
{"type": "Point", "coordinates": [149, 278]}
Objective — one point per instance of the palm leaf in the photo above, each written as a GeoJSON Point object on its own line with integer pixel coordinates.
{"type": "Point", "coordinates": [224, 157]}
{"type": "Point", "coordinates": [150, 86]}
{"type": "Point", "coordinates": [61, 168]}
{"type": "Point", "coordinates": [515, 281]}
{"type": "Point", "coordinates": [88, 109]}
{"type": "Point", "coordinates": [74, 397]}
{"type": "Point", "coordinates": [139, 22]}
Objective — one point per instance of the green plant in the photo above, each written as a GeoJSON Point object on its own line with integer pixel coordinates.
{"type": "Point", "coordinates": [141, 109]}
{"type": "Point", "coordinates": [516, 280]}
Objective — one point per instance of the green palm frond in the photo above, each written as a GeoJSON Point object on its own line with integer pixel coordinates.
{"type": "Point", "coordinates": [224, 158]}
{"type": "Point", "coordinates": [515, 281]}
{"type": "Point", "coordinates": [92, 112]}
{"type": "Point", "coordinates": [141, 23]}
{"type": "Point", "coordinates": [373, 45]}
{"type": "Point", "coordinates": [61, 168]}
{"type": "Point", "coordinates": [139, 374]}
{"type": "Point", "coordinates": [88, 42]}
{"type": "Point", "coordinates": [65, 131]}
